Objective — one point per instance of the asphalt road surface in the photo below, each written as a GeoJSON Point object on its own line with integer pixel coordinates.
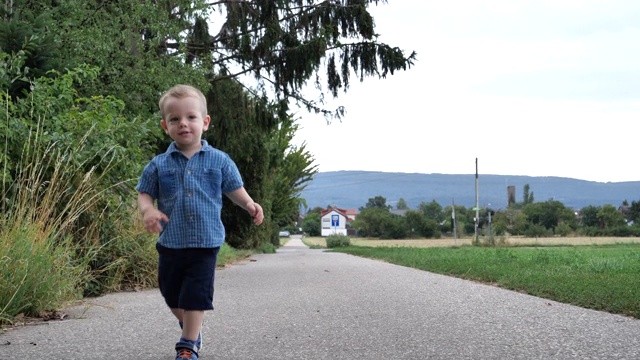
{"type": "Point", "coordinates": [310, 304]}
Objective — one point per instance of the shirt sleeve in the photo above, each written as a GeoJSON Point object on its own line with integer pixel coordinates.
{"type": "Point", "coordinates": [148, 182]}
{"type": "Point", "coordinates": [231, 179]}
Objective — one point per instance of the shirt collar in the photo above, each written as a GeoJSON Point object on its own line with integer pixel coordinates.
{"type": "Point", "coordinates": [205, 147]}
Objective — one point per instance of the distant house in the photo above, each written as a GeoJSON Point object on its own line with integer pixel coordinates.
{"type": "Point", "coordinates": [351, 213]}
{"type": "Point", "coordinates": [334, 221]}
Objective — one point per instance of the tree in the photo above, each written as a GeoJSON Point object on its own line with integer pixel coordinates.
{"type": "Point", "coordinates": [500, 222]}
{"type": "Point", "coordinates": [291, 168]}
{"type": "Point", "coordinates": [463, 217]}
{"type": "Point", "coordinates": [283, 44]}
{"type": "Point", "coordinates": [377, 202]}
{"type": "Point", "coordinates": [372, 221]}
{"type": "Point", "coordinates": [402, 205]}
{"type": "Point", "coordinates": [432, 210]}
{"type": "Point", "coordinates": [633, 212]}
{"type": "Point", "coordinates": [589, 216]}
{"type": "Point", "coordinates": [517, 222]}
{"type": "Point", "coordinates": [610, 217]}
{"type": "Point", "coordinates": [396, 227]}
{"type": "Point", "coordinates": [30, 36]}
{"type": "Point", "coordinates": [416, 223]}
{"type": "Point", "coordinates": [527, 195]}
{"type": "Point", "coordinates": [274, 47]}
{"type": "Point", "coordinates": [549, 214]}
{"type": "Point", "coordinates": [511, 196]}
{"type": "Point", "coordinates": [419, 224]}
{"type": "Point", "coordinates": [311, 223]}
{"type": "Point", "coordinates": [258, 139]}
{"type": "Point", "coordinates": [124, 40]}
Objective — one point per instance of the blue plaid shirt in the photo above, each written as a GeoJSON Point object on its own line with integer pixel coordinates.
{"type": "Point", "coordinates": [189, 192]}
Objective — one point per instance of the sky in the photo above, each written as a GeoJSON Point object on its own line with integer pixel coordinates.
{"type": "Point", "coordinates": [536, 88]}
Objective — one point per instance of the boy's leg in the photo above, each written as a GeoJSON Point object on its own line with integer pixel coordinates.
{"type": "Point", "coordinates": [192, 324]}
{"type": "Point", "coordinates": [196, 295]}
{"type": "Point", "coordinates": [179, 314]}
{"type": "Point", "coordinates": [172, 272]}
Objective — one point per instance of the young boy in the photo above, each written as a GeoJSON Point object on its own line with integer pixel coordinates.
{"type": "Point", "coordinates": [188, 181]}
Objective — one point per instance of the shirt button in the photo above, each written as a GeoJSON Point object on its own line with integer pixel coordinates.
{"type": "Point", "coordinates": [189, 194]}
{"type": "Point", "coordinates": [188, 172]}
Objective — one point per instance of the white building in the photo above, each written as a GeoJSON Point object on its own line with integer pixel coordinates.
{"type": "Point", "coordinates": [333, 221]}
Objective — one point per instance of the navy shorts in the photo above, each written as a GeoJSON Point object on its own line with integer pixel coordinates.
{"type": "Point", "coordinates": [186, 276]}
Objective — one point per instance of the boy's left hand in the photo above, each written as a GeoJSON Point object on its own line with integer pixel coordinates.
{"type": "Point", "coordinates": [255, 210]}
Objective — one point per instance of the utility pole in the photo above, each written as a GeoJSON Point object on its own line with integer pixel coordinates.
{"type": "Point", "coordinates": [477, 218]}
{"type": "Point", "coordinates": [455, 225]}
{"type": "Point", "coordinates": [489, 227]}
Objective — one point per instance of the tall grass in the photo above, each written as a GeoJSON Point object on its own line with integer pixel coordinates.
{"type": "Point", "coordinates": [41, 267]}
{"type": "Point", "coordinates": [128, 260]}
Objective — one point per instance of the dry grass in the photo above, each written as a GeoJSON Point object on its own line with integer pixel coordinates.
{"type": "Point", "coordinates": [319, 241]}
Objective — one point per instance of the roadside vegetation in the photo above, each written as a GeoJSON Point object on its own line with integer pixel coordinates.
{"type": "Point", "coordinates": [599, 273]}
{"type": "Point", "coordinates": [79, 86]}
{"type": "Point", "coordinates": [600, 277]}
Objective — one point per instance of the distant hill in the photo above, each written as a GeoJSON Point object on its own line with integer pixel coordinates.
{"type": "Point", "coordinates": [352, 189]}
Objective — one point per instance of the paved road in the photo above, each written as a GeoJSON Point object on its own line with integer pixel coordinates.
{"type": "Point", "coordinates": [309, 304]}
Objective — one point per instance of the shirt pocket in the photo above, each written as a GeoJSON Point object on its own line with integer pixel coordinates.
{"type": "Point", "coordinates": [211, 182]}
{"type": "Point", "coordinates": [168, 183]}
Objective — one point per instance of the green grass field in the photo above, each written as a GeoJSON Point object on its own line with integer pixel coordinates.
{"type": "Point", "coordinates": [600, 277]}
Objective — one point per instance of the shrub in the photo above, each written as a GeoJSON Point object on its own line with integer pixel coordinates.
{"type": "Point", "coordinates": [338, 240]}
{"type": "Point", "coordinates": [619, 231]}
{"type": "Point", "coordinates": [500, 228]}
{"type": "Point", "coordinates": [267, 248]}
{"type": "Point", "coordinates": [396, 228]}
{"type": "Point", "coordinates": [563, 229]}
{"type": "Point", "coordinates": [535, 230]}
{"type": "Point", "coordinates": [469, 227]}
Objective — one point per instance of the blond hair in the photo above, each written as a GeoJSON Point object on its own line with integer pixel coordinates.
{"type": "Point", "coordinates": [181, 92]}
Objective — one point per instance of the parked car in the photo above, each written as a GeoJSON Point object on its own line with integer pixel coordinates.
{"type": "Point", "coordinates": [284, 233]}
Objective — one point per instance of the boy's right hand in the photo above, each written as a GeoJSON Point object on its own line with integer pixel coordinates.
{"type": "Point", "coordinates": [153, 219]}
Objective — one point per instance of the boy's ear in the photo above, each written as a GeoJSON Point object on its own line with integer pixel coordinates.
{"type": "Point", "coordinates": [164, 126]}
{"type": "Point", "coordinates": [207, 121]}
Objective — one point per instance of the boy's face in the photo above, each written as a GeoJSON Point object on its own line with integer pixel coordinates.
{"type": "Point", "coordinates": [184, 122]}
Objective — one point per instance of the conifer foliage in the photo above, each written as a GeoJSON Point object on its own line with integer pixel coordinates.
{"type": "Point", "coordinates": [285, 44]}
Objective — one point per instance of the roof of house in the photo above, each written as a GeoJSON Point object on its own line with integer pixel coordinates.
{"type": "Point", "coordinates": [342, 212]}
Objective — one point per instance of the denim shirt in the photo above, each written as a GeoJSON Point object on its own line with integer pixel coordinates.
{"type": "Point", "coordinates": [189, 192]}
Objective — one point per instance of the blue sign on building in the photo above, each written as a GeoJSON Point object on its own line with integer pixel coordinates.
{"type": "Point", "coordinates": [335, 220]}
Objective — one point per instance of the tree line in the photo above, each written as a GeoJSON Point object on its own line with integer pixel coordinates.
{"type": "Point", "coordinates": [527, 218]}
